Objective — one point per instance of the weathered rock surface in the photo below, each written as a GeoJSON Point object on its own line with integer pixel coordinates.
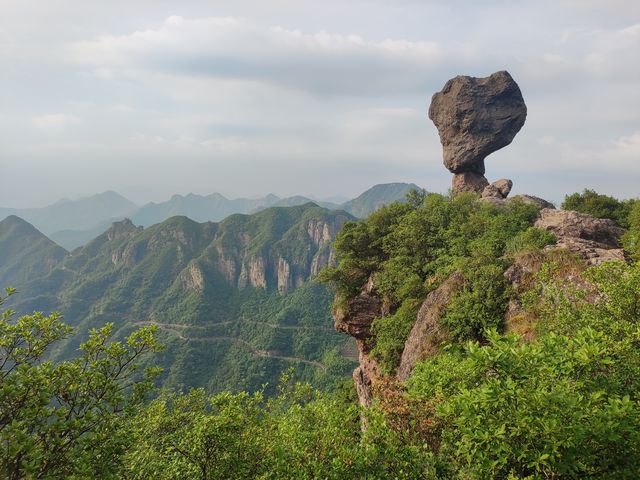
{"type": "Point", "coordinates": [594, 239]}
{"type": "Point", "coordinates": [356, 317]}
{"type": "Point", "coordinates": [476, 117]}
{"type": "Point", "coordinates": [540, 202]}
{"type": "Point", "coordinates": [426, 334]}
{"type": "Point", "coordinates": [469, 182]}
{"type": "Point", "coordinates": [498, 189]}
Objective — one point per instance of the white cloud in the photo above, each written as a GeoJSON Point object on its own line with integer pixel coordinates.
{"type": "Point", "coordinates": [238, 48]}
{"type": "Point", "coordinates": [54, 121]}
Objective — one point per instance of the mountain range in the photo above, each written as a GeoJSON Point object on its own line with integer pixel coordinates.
{"type": "Point", "coordinates": [234, 301]}
{"type": "Point", "coordinates": [72, 224]}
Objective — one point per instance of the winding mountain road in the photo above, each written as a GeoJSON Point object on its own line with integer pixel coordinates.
{"type": "Point", "coordinates": [178, 329]}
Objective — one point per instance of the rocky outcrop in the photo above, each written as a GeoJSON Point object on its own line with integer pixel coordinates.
{"type": "Point", "coordinates": [539, 202]}
{"type": "Point", "coordinates": [475, 117]}
{"type": "Point", "coordinates": [252, 272]}
{"type": "Point", "coordinates": [193, 278]}
{"type": "Point", "coordinates": [426, 334]}
{"type": "Point", "coordinates": [357, 314]}
{"type": "Point", "coordinates": [324, 257]}
{"type": "Point", "coordinates": [321, 232]}
{"type": "Point", "coordinates": [596, 240]}
{"type": "Point", "coordinates": [283, 275]}
{"type": "Point", "coordinates": [123, 229]}
{"type": "Point", "coordinates": [355, 318]}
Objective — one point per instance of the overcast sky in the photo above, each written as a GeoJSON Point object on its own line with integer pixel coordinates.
{"type": "Point", "coordinates": [324, 98]}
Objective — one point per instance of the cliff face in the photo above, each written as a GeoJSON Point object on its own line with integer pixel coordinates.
{"type": "Point", "coordinates": [297, 252]}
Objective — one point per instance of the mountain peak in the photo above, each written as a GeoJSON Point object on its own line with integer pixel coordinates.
{"type": "Point", "coordinates": [377, 196]}
{"type": "Point", "coordinates": [122, 228]}
{"type": "Point", "coordinates": [17, 225]}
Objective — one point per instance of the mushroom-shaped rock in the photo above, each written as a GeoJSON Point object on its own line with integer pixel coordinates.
{"type": "Point", "coordinates": [476, 117]}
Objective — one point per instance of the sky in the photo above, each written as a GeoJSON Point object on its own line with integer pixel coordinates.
{"type": "Point", "coordinates": [245, 97]}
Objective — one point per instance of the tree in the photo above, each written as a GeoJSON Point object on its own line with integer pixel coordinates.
{"type": "Point", "coordinates": [63, 420]}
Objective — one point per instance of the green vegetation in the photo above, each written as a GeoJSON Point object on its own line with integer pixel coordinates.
{"type": "Point", "coordinates": [563, 406]}
{"type": "Point", "coordinates": [63, 420]}
{"type": "Point", "coordinates": [377, 196]}
{"type": "Point", "coordinates": [25, 253]}
{"type": "Point", "coordinates": [410, 248]}
{"type": "Point", "coordinates": [631, 239]}
{"type": "Point", "coordinates": [600, 206]}
{"type": "Point", "coordinates": [559, 401]}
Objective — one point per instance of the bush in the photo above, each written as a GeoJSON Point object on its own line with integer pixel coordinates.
{"type": "Point", "coordinates": [66, 420]}
{"type": "Point", "coordinates": [631, 239]}
{"type": "Point", "coordinates": [543, 409]}
{"type": "Point", "coordinates": [481, 303]}
{"type": "Point", "coordinates": [531, 239]}
{"type": "Point", "coordinates": [600, 206]}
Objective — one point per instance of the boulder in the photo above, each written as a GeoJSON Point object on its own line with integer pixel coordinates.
{"type": "Point", "coordinates": [569, 224]}
{"type": "Point", "coordinates": [475, 117]}
{"type": "Point", "coordinates": [503, 186]}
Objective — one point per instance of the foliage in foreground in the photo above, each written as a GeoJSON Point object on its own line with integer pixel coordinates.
{"type": "Point", "coordinates": [62, 420]}
{"type": "Point", "coordinates": [563, 406]}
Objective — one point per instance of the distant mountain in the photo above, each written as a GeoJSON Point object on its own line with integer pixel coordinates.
{"type": "Point", "coordinates": [377, 196]}
{"type": "Point", "coordinates": [72, 239]}
{"type": "Point", "coordinates": [74, 223]}
{"type": "Point", "coordinates": [233, 300]}
{"type": "Point", "coordinates": [213, 208]}
{"type": "Point", "coordinates": [300, 200]}
{"type": "Point", "coordinates": [25, 253]}
{"type": "Point", "coordinates": [82, 214]}
{"type": "Point", "coordinates": [216, 207]}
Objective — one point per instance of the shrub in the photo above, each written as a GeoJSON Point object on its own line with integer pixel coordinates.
{"type": "Point", "coordinates": [600, 206]}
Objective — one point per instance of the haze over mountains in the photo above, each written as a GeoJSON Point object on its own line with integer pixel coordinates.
{"type": "Point", "coordinates": [74, 223]}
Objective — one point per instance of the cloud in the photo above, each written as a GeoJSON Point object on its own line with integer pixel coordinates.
{"type": "Point", "coordinates": [320, 63]}
{"type": "Point", "coordinates": [54, 121]}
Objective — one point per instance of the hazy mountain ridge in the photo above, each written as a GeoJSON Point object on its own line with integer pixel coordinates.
{"type": "Point", "coordinates": [81, 214]}
{"type": "Point", "coordinates": [72, 224]}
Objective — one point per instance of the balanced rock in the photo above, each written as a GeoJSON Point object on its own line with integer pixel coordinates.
{"type": "Point", "coordinates": [476, 117]}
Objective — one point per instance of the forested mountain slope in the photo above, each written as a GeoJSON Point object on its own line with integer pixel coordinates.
{"type": "Point", "coordinates": [233, 300]}
{"type": "Point", "coordinates": [25, 253]}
